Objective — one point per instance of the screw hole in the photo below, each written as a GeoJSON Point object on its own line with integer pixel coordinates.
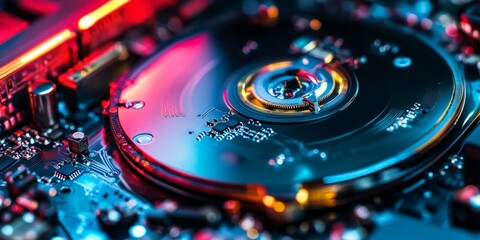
{"type": "Point", "coordinates": [65, 190]}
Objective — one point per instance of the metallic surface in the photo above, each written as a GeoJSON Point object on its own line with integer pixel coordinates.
{"type": "Point", "coordinates": [398, 114]}
{"type": "Point", "coordinates": [258, 119]}
{"type": "Point", "coordinates": [43, 103]}
{"type": "Point", "coordinates": [81, 83]}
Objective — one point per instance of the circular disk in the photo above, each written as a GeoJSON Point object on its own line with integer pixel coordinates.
{"type": "Point", "coordinates": [191, 133]}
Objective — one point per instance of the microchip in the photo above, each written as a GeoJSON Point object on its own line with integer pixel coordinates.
{"type": "Point", "coordinates": [233, 123]}
{"type": "Point", "coordinates": [5, 162]}
{"type": "Point", "coordinates": [67, 172]}
{"type": "Point", "coordinates": [220, 128]}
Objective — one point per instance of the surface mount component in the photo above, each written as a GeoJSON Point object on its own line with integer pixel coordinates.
{"type": "Point", "coordinates": [67, 172]}
{"type": "Point", "coordinates": [87, 83]}
{"type": "Point", "coordinates": [78, 142]}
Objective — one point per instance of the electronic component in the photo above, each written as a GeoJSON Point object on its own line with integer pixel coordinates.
{"type": "Point", "coordinates": [43, 103]}
{"type": "Point", "coordinates": [67, 172]}
{"type": "Point", "coordinates": [88, 82]}
{"type": "Point", "coordinates": [20, 180]}
{"type": "Point", "coordinates": [113, 17]}
{"type": "Point", "coordinates": [205, 119]}
{"type": "Point", "coordinates": [220, 128]}
{"type": "Point", "coordinates": [54, 53]}
{"type": "Point", "coordinates": [78, 143]}
{"type": "Point", "coordinates": [44, 54]}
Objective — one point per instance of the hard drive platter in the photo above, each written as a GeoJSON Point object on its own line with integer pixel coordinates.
{"type": "Point", "coordinates": [309, 117]}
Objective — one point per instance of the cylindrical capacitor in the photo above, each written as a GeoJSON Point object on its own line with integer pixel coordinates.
{"type": "Point", "coordinates": [43, 103]}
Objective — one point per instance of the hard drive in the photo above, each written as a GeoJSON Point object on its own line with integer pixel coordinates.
{"type": "Point", "coordinates": [240, 120]}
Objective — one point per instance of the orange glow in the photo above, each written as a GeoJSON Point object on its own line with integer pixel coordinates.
{"type": "Point", "coordinates": [47, 46]}
{"type": "Point", "coordinates": [90, 19]}
{"type": "Point", "coordinates": [268, 201]}
{"type": "Point", "coordinates": [252, 233]}
{"type": "Point", "coordinates": [275, 66]}
{"type": "Point", "coordinates": [279, 206]}
{"type": "Point", "coordinates": [272, 12]}
{"type": "Point", "coordinates": [328, 59]}
{"type": "Point", "coordinates": [324, 196]}
{"type": "Point", "coordinates": [36, 52]}
{"type": "Point", "coordinates": [339, 79]}
{"type": "Point", "coordinates": [315, 24]}
{"type": "Point", "coordinates": [302, 196]}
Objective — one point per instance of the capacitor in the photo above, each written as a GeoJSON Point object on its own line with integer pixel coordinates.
{"type": "Point", "coordinates": [78, 143]}
{"type": "Point", "coordinates": [43, 103]}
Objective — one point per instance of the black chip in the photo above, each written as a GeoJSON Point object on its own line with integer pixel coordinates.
{"type": "Point", "coordinates": [233, 123]}
{"type": "Point", "coordinates": [220, 127]}
{"type": "Point", "coordinates": [5, 162]}
{"type": "Point", "coordinates": [67, 171]}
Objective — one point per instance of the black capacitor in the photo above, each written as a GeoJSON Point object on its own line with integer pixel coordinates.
{"type": "Point", "coordinates": [43, 103]}
{"type": "Point", "coordinates": [78, 142]}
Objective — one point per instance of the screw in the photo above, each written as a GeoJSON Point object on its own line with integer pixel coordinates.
{"type": "Point", "coordinates": [143, 138]}
{"type": "Point", "coordinates": [137, 104]}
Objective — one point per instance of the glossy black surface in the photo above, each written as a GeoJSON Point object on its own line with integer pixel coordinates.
{"type": "Point", "coordinates": [184, 88]}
